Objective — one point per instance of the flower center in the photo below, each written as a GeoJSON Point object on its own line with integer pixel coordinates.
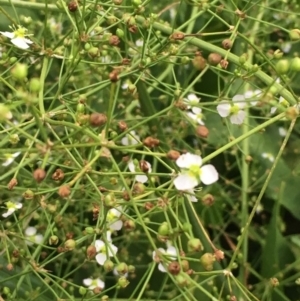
{"type": "Point", "coordinates": [20, 32]}
{"type": "Point", "coordinates": [234, 109]}
{"type": "Point", "coordinates": [285, 103]}
{"type": "Point", "coordinates": [194, 171]}
{"type": "Point", "coordinates": [10, 205]}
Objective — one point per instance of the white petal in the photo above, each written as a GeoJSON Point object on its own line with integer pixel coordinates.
{"type": "Point", "coordinates": [282, 132]}
{"type": "Point", "coordinates": [8, 162]}
{"type": "Point", "coordinates": [238, 98]}
{"type": "Point", "coordinates": [99, 244]}
{"type": "Point", "coordinates": [100, 283]}
{"type": "Point", "coordinates": [7, 34]}
{"type": "Point", "coordinates": [223, 108]}
{"type": "Point", "coordinates": [9, 212]}
{"type": "Point", "coordinates": [15, 155]}
{"type": "Point", "coordinates": [191, 195]}
{"type": "Point", "coordinates": [39, 238]}
{"type": "Point", "coordinates": [172, 252]}
{"type": "Point", "coordinates": [161, 268]}
{"type": "Point", "coordinates": [185, 182]}
{"type": "Point", "coordinates": [209, 174]}
{"type": "Point", "coordinates": [112, 250]}
{"type": "Point", "coordinates": [30, 231]}
{"type": "Point", "coordinates": [196, 110]}
{"type": "Point", "coordinates": [116, 226]}
{"type": "Point", "coordinates": [100, 258]}
{"type": "Point", "coordinates": [20, 42]}
{"type": "Point", "coordinates": [125, 140]}
{"type": "Point", "coordinates": [188, 159]}
{"type": "Point", "coordinates": [131, 166]}
{"type": "Point", "coordinates": [238, 118]}
{"type": "Point", "coordinates": [273, 110]}
{"type": "Point", "coordinates": [18, 205]}
{"type": "Point", "coordinates": [87, 281]}
{"type": "Point", "coordinates": [141, 178]}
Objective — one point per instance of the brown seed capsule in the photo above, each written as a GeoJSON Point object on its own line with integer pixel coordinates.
{"type": "Point", "coordinates": [91, 252]}
{"type": "Point", "coordinates": [58, 175]}
{"type": "Point", "coordinates": [113, 76]}
{"type": "Point", "coordinates": [15, 253]}
{"type": "Point", "coordinates": [148, 206]}
{"type": "Point", "coordinates": [219, 255]}
{"type": "Point", "coordinates": [214, 59]}
{"type": "Point", "coordinates": [199, 62]}
{"type": "Point", "coordinates": [125, 61]}
{"type": "Point", "coordinates": [97, 119]}
{"type": "Point", "coordinates": [151, 142]}
{"type": "Point", "coordinates": [114, 40]}
{"type": "Point", "coordinates": [12, 183]}
{"type": "Point", "coordinates": [177, 36]}
{"type": "Point", "coordinates": [202, 131]}
{"type": "Point", "coordinates": [227, 44]}
{"type": "Point", "coordinates": [122, 125]}
{"type": "Point", "coordinates": [64, 191]}
{"type": "Point", "coordinates": [73, 6]}
{"type": "Point", "coordinates": [125, 196]}
{"type": "Point", "coordinates": [39, 175]}
{"type": "Point", "coordinates": [224, 64]}
{"type": "Point", "coordinates": [144, 166]}
{"type": "Point", "coordinates": [174, 268]}
{"type": "Point", "coordinates": [133, 29]}
{"type": "Point", "coordinates": [173, 155]}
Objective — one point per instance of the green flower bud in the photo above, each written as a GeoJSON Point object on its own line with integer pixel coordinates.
{"type": "Point", "coordinates": [82, 291]}
{"type": "Point", "coordinates": [186, 227]}
{"type": "Point", "coordinates": [182, 280]}
{"type": "Point", "coordinates": [13, 59]}
{"type": "Point", "coordinates": [34, 84]}
{"type": "Point", "coordinates": [19, 71]}
{"type": "Point", "coordinates": [28, 194]}
{"type": "Point", "coordinates": [108, 265]}
{"type": "Point", "coordinates": [89, 230]}
{"type": "Point", "coordinates": [14, 139]}
{"type": "Point", "coordinates": [164, 229]}
{"type": "Point", "coordinates": [207, 261]}
{"type": "Point", "coordinates": [295, 34]}
{"type": "Point", "coordinates": [70, 244]}
{"type": "Point", "coordinates": [53, 240]}
{"type": "Point", "coordinates": [4, 112]}
{"type": "Point", "coordinates": [6, 290]}
{"type": "Point", "coordinates": [120, 33]}
{"type": "Point", "coordinates": [122, 268]}
{"type": "Point", "coordinates": [278, 54]}
{"type": "Point", "coordinates": [136, 2]}
{"type": "Point", "coordinates": [110, 200]}
{"type": "Point", "coordinates": [295, 64]}
{"type": "Point", "coordinates": [87, 46]}
{"type": "Point", "coordinates": [80, 109]}
{"type": "Point", "coordinates": [131, 269]}
{"type": "Point", "coordinates": [123, 282]}
{"type": "Point", "coordinates": [243, 58]}
{"type": "Point", "coordinates": [282, 66]}
{"type": "Point", "coordinates": [185, 60]}
{"type": "Point", "coordinates": [93, 52]}
{"type": "Point", "coordinates": [195, 245]}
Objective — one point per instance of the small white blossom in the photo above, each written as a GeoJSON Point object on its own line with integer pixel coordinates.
{"type": "Point", "coordinates": [113, 219]}
{"type": "Point", "coordinates": [10, 158]}
{"type": "Point", "coordinates": [282, 131]}
{"type": "Point", "coordinates": [32, 237]}
{"type": "Point", "coordinates": [18, 37]}
{"type": "Point", "coordinates": [55, 27]}
{"type": "Point", "coordinates": [140, 178]}
{"type": "Point", "coordinates": [253, 95]}
{"type": "Point", "coordinates": [268, 156]}
{"type": "Point", "coordinates": [104, 250]}
{"type": "Point", "coordinates": [11, 208]}
{"type": "Point", "coordinates": [93, 283]}
{"type": "Point", "coordinates": [191, 100]}
{"type": "Point", "coordinates": [139, 43]}
{"type": "Point", "coordinates": [130, 139]}
{"type": "Point", "coordinates": [192, 173]}
{"type": "Point", "coordinates": [196, 115]}
{"type": "Point", "coordinates": [170, 253]}
{"type": "Point", "coordinates": [286, 47]}
{"type": "Point", "coordinates": [191, 195]}
{"type": "Point", "coordinates": [234, 110]}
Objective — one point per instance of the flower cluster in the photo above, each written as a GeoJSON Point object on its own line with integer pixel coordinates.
{"type": "Point", "coordinates": [158, 256]}
{"type": "Point", "coordinates": [196, 113]}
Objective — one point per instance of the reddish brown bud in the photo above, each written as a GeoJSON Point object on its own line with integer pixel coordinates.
{"type": "Point", "coordinates": [97, 290]}
{"type": "Point", "coordinates": [202, 131]}
{"type": "Point", "coordinates": [58, 175]}
{"type": "Point", "coordinates": [180, 105]}
{"type": "Point", "coordinates": [12, 183]}
{"type": "Point", "coordinates": [114, 40]}
{"type": "Point", "coordinates": [133, 29]}
{"type": "Point", "coordinates": [125, 196]}
{"type": "Point", "coordinates": [73, 6]}
{"type": "Point", "coordinates": [144, 166]}
{"type": "Point", "coordinates": [91, 252]}
{"type": "Point", "coordinates": [173, 155]}
{"type": "Point", "coordinates": [219, 255]}
{"type": "Point", "coordinates": [9, 267]}
{"type": "Point", "coordinates": [177, 36]}
{"type": "Point", "coordinates": [39, 175]}
{"type": "Point", "coordinates": [148, 206]}
{"type": "Point", "coordinates": [15, 253]}
{"type": "Point", "coordinates": [125, 61]}
{"type": "Point", "coordinates": [199, 62]}
{"type": "Point", "coordinates": [227, 44]}
{"type": "Point", "coordinates": [214, 59]}
{"type": "Point", "coordinates": [224, 64]}
{"type": "Point", "coordinates": [64, 191]}
{"type": "Point", "coordinates": [151, 142]}
{"type": "Point", "coordinates": [69, 235]}
{"type": "Point", "coordinates": [174, 268]}
{"type": "Point", "coordinates": [129, 225]}
{"type": "Point", "coordinates": [113, 76]}
{"type": "Point", "coordinates": [97, 119]}
{"type": "Point", "coordinates": [122, 125]}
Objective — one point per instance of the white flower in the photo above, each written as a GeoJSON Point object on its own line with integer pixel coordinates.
{"type": "Point", "coordinates": [191, 100]}
{"type": "Point", "coordinates": [105, 250]}
{"type": "Point", "coordinates": [286, 47]}
{"type": "Point", "coordinates": [10, 158]}
{"type": "Point", "coordinates": [139, 43]}
{"type": "Point", "coordinates": [93, 283]}
{"type": "Point", "coordinates": [253, 95]}
{"type": "Point", "coordinates": [193, 173]}
{"type": "Point", "coordinates": [170, 253]}
{"type": "Point", "coordinates": [11, 208]}
{"type": "Point", "coordinates": [32, 237]}
{"type": "Point", "coordinates": [113, 219]}
{"type": "Point", "coordinates": [268, 156]}
{"type": "Point", "coordinates": [140, 178]}
{"type": "Point", "coordinates": [130, 139]}
{"type": "Point", "coordinates": [283, 102]}
{"type": "Point", "coordinates": [234, 110]}
{"type": "Point", "coordinates": [282, 131]}
{"type": "Point", "coordinates": [196, 115]}
{"type": "Point", "coordinates": [191, 195]}
{"type": "Point", "coordinates": [17, 37]}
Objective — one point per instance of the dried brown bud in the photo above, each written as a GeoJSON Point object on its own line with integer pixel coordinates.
{"type": "Point", "coordinates": [125, 196]}
{"type": "Point", "coordinates": [64, 191]}
{"type": "Point", "coordinates": [199, 62]}
{"type": "Point", "coordinates": [97, 119]}
{"type": "Point", "coordinates": [114, 40]}
{"type": "Point", "coordinates": [9, 267]}
{"type": "Point", "coordinates": [125, 61]}
{"type": "Point", "coordinates": [144, 166]}
{"type": "Point", "coordinates": [58, 175]}
{"type": "Point", "coordinates": [148, 206]}
{"type": "Point", "coordinates": [180, 105]}
{"type": "Point", "coordinates": [208, 200]}
{"type": "Point", "coordinates": [129, 225]}
{"type": "Point", "coordinates": [113, 76]}
{"type": "Point", "coordinates": [97, 290]}
{"type": "Point", "coordinates": [73, 6]}
{"type": "Point", "coordinates": [69, 235]}
{"type": "Point", "coordinates": [151, 142]}
{"type": "Point", "coordinates": [202, 131]}
{"type": "Point", "coordinates": [15, 253]}
{"type": "Point", "coordinates": [173, 155]}
{"type": "Point", "coordinates": [219, 255]}
{"type": "Point", "coordinates": [102, 189]}
{"type": "Point", "coordinates": [133, 29]}
{"type": "Point", "coordinates": [12, 183]}
{"type": "Point", "coordinates": [240, 14]}
{"type": "Point", "coordinates": [174, 268]}
{"type": "Point", "coordinates": [138, 189]}
{"type": "Point", "coordinates": [224, 64]}
{"type": "Point", "coordinates": [122, 125]}
{"type": "Point", "coordinates": [227, 44]}
{"type": "Point", "coordinates": [91, 252]}
{"type": "Point", "coordinates": [177, 36]}
{"type": "Point", "coordinates": [214, 59]}
{"type": "Point", "coordinates": [39, 175]}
